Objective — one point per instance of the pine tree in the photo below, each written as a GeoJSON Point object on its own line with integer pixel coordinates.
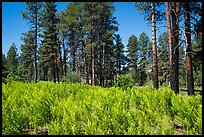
{"type": "Point", "coordinates": [197, 59]}
{"type": "Point", "coordinates": [190, 83]}
{"type": "Point", "coordinates": [153, 15]}
{"type": "Point", "coordinates": [175, 48]}
{"type": "Point", "coordinates": [169, 28]}
{"type": "Point", "coordinates": [119, 54]}
{"type": "Point", "coordinates": [143, 47]}
{"type": "Point", "coordinates": [48, 51]}
{"type": "Point", "coordinates": [59, 47]}
{"type": "Point", "coordinates": [132, 48]}
{"type": "Point", "coordinates": [72, 20]}
{"type": "Point", "coordinates": [12, 59]}
{"type": "Point", "coordinates": [196, 48]}
{"type": "Point", "coordinates": [91, 18]}
{"type": "Point", "coordinates": [154, 48]}
{"type": "Point", "coordinates": [63, 39]}
{"type": "Point", "coordinates": [72, 14]}
{"type": "Point", "coordinates": [26, 61]}
{"type": "Point", "coordinates": [4, 67]}
{"type": "Point", "coordinates": [107, 26]}
{"type": "Point", "coordinates": [33, 15]}
{"type": "Point", "coordinates": [163, 58]}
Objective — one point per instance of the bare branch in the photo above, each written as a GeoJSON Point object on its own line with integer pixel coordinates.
{"type": "Point", "coordinates": [178, 46]}
{"type": "Point", "coordinates": [161, 52]}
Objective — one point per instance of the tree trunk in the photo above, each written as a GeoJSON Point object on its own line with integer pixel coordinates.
{"type": "Point", "coordinates": [53, 71]}
{"type": "Point", "coordinates": [86, 69]}
{"type": "Point", "coordinates": [103, 65]}
{"type": "Point", "coordinates": [57, 65]}
{"type": "Point", "coordinates": [119, 64]}
{"type": "Point", "coordinates": [190, 84]}
{"type": "Point", "coordinates": [57, 71]}
{"type": "Point", "coordinates": [78, 69]}
{"type": "Point", "coordinates": [85, 64]}
{"type": "Point", "coordinates": [92, 67]}
{"type": "Point", "coordinates": [44, 74]}
{"type": "Point", "coordinates": [100, 67]}
{"type": "Point", "coordinates": [64, 57]}
{"type": "Point", "coordinates": [93, 58]}
{"type": "Point", "coordinates": [53, 64]}
{"type": "Point", "coordinates": [60, 56]}
{"type": "Point", "coordinates": [170, 44]}
{"type": "Point", "coordinates": [96, 65]}
{"type": "Point", "coordinates": [154, 49]}
{"type": "Point", "coordinates": [175, 41]}
{"type": "Point", "coordinates": [35, 46]}
{"type": "Point", "coordinates": [74, 55]}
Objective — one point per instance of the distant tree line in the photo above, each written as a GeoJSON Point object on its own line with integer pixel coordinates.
{"type": "Point", "coordinates": [82, 42]}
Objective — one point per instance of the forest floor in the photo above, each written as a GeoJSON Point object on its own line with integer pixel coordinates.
{"type": "Point", "coordinates": [179, 130]}
{"type": "Point", "coordinates": [44, 131]}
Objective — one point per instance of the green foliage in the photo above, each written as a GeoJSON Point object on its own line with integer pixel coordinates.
{"type": "Point", "coordinates": [145, 59]}
{"type": "Point", "coordinates": [12, 59]}
{"type": "Point", "coordinates": [132, 48]}
{"type": "Point", "coordinates": [144, 8]}
{"type": "Point", "coordinates": [33, 12]}
{"type": "Point", "coordinates": [72, 77]}
{"type": "Point", "coordinates": [48, 50]}
{"type": "Point", "coordinates": [66, 108]}
{"type": "Point", "coordinates": [108, 84]}
{"type": "Point", "coordinates": [26, 67]}
{"type": "Point", "coordinates": [132, 54]}
{"type": "Point", "coordinates": [149, 84]}
{"type": "Point", "coordinates": [124, 81]}
{"type": "Point", "coordinates": [4, 68]}
{"type": "Point", "coordinates": [12, 77]}
{"type": "Point", "coordinates": [163, 59]}
{"type": "Point", "coordinates": [120, 58]}
{"type": "Point", "coordinates": [197, 60]}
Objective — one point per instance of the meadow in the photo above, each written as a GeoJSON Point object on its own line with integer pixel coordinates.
{"type": "Point", "coordinates": [81, 109]}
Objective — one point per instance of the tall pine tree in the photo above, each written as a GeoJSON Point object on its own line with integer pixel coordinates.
{"type": "Point", "coordinates": [26, 59]}
{"type": "Point", "coordinates": [119, 54]}
{"type": "Point", "coordinates": [12, 59]}
{"type": "Point", "coordinates": [132, 48]}
{"type": "Point", "coordinates": [33, 15]}
{"type": "Point", "coordinates": [48, 51]}
{"type": "Point", "coordinates": [143, 47]}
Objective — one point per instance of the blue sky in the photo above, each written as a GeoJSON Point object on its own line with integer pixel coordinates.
{"type": "Point", "coordinates": [13, 25]}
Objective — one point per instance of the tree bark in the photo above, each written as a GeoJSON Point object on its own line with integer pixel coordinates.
{"type": "Point", "coordinates": [78, 67]}
{"type": "Point", "coordinates": [57, 70]}
{"type": "Point", "coordinates": [53, 65]}
{"type": "Point", "coordinates": [175, 41]}
{"type": "Point", "coordinates": [85, 63]}
{"type": "Point", "coordinates": [57, 64]}
{"type": "Point", "coordinates": [93, 57]}
{"type": "Point", "coordinates": [96, 66]}
{"type": "Point", "coordinates": [170, 44]}
{"type": "Point", "coordinates": [60, 57]}
{"type": "Point", "coordinates": [64, 57]}
{"type": "Point", "coordinates": [103, 65]}
{"type": "Point", "coordinates": [190, 84]}
{"type": "Point", "coordinates": [74, 55]}
{"type": "Point", "coordinates": [119, 63]}
{"type": "Point", "coordinates": [154, 49]}
{"type": "Point", "coordinates": [92, 66]}
{"type": "Point", "coordinates": [35, 45]}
